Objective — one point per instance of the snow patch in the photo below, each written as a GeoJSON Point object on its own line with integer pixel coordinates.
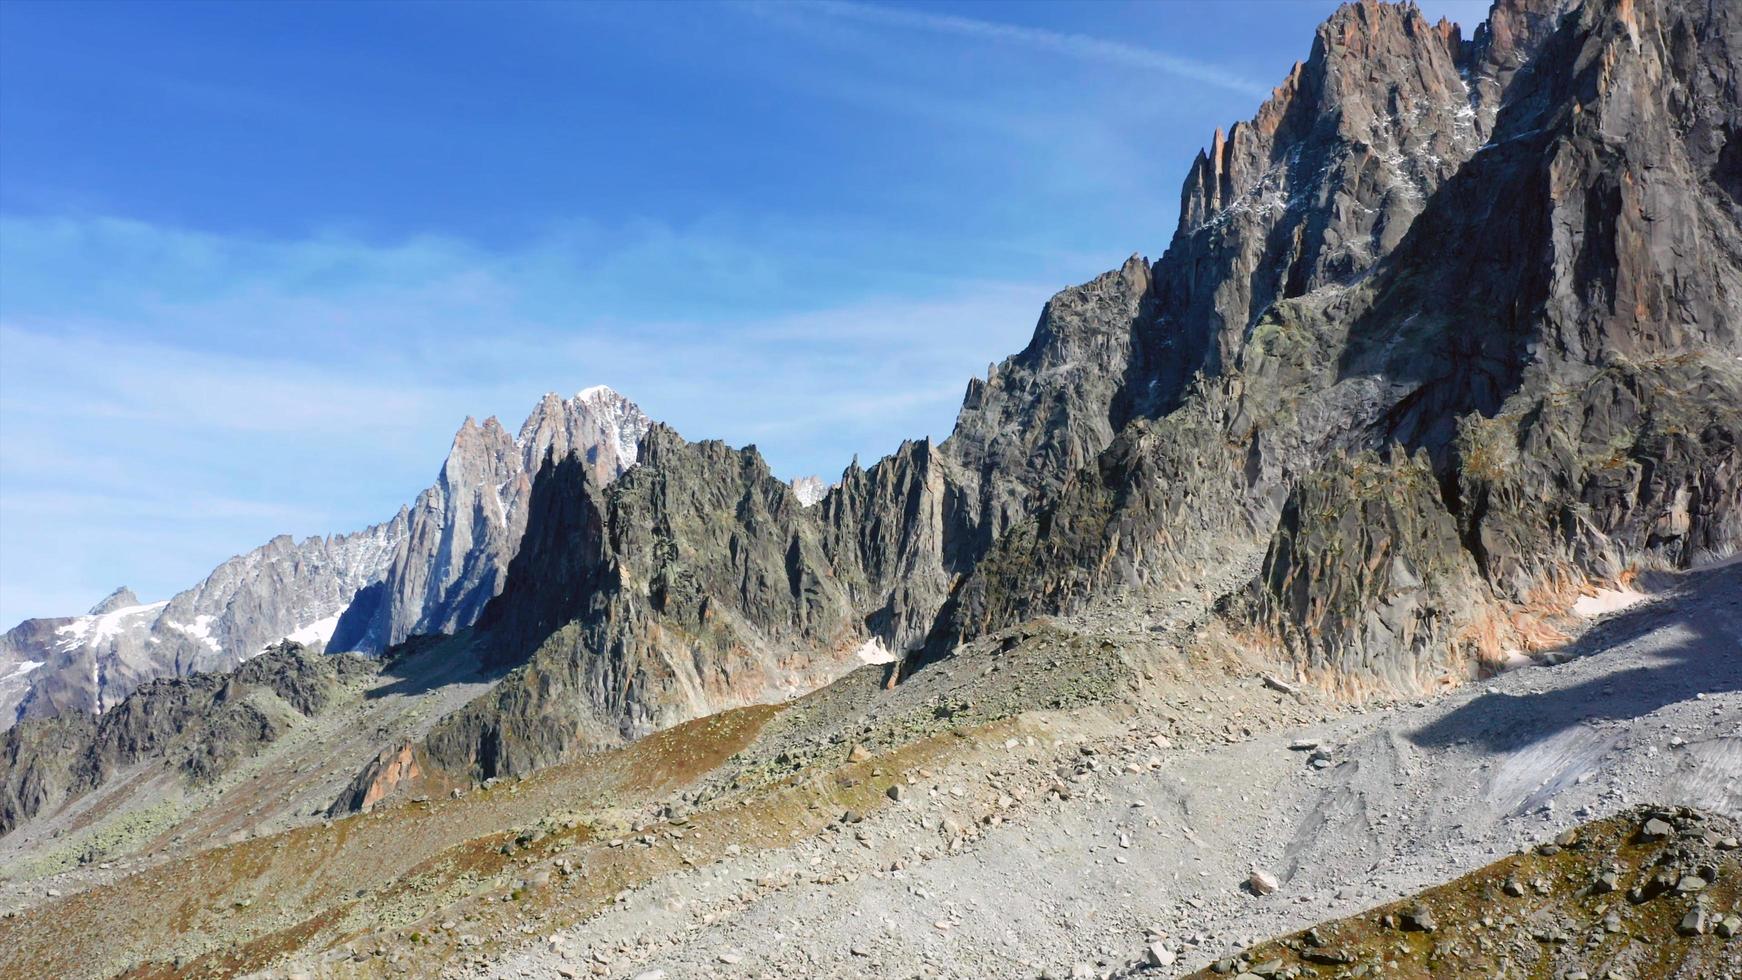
{"type": "Point", "coordinates": [319, 631]}
{"type": "Point", "coordinates": [99, 629]}
{"type": "Point", "coordinates": [1605, 601]}
{"type": "Point", "coordinates": [1514, 660]}
{"type": "Point", "coordinates": [809, 490]}
{"type": "Point", "coordinates": [873, 651]}
{"type": "Point", "coordinates": [200, 629]}
{"type": "Point", "coordinates": [23, 667]}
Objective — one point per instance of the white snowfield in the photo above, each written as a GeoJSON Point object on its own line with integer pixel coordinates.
{"type": "Point", "coordinates": [95, 630]}
{"type": "Point", "coordinates": [200, 629]}
{"type": "Point", "coordinates": [319, 631]}
{"type": "Point", "coordinates": [873, 651]}
{"type": "Point", "coordinates": [21, 668]}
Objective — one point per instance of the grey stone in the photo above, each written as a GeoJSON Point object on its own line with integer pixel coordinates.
{"type": "Point", "coordinates": [1262, 882]}
{"type": "Point", "coordinates": [1420, 918]}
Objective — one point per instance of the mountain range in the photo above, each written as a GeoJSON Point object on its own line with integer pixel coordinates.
{"type": "Point", "coordinates": [1444, 352]}
{"type": "Point", "coordinates": [1448, 332]}
{"type": "Point", "coordinates": [430, 568]}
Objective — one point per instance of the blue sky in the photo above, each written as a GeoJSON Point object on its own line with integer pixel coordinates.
{"type": "Point", "coordinates": [258, 260]}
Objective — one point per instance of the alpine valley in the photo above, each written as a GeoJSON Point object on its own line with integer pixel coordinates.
{"type": "Point", "coordinates": [1349, 592]}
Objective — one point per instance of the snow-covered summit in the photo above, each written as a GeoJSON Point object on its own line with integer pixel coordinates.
{"type": "Point", "coordinates": [810, 490]}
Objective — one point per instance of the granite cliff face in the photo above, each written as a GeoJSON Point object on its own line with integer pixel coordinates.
{"type": "Point", "coordinates": [462, 531]}
{"type": "Point", "coordinates": [1545, 358]}
{"type": "Point", "coordinates": [430, 569]}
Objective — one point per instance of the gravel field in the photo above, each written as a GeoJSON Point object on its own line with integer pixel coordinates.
{"type": "Point", "coordinates": [1054, 852]}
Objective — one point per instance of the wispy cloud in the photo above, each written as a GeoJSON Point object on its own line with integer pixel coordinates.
{"type": "Point", "coordinates": [171, 398]}
{"type": "Point", "coordinates": [1081, 46]}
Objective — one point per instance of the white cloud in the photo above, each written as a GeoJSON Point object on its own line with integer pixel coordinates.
{"type": "Point", "coordinates": [210, 392]}
{"type": "Point", "coordinates": [1081, 46]}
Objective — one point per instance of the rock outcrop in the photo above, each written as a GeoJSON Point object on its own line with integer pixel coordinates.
{"type": "Point", "coordinates": [400, 771]}
{"type": "Point", "coordinates": [697, 582]}
{"type": "Point", "coordinates": [1366, 582]}
{"type": "Point", "coordinates": [1547, 320]}
{"type": "Point", "coordinates": [199, 726]}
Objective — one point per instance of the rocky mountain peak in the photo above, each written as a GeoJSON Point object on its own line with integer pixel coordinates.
{"type": "Point", "coordinates": [696, 583]}
{"type": "Point", "coordinates": [1501, 45]}
{"type": "Point", "coordinates": [1539, 306]}
{"type": "Point", "coordinates": [810, 490]}
{"type": "Point", "coordinates": [604, 426]}
{"type": "Point", "coordinates": [464, 530]}
{"type": "Point", "coordinates": [119, 599]}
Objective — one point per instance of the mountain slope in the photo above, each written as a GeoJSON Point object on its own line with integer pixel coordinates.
{"type": "Point", "coordinates": [1622, 882]}
{"type": "Point", "coordinates": [198, 725]}
{"type": "Point", "coordinates": [1447, 338]}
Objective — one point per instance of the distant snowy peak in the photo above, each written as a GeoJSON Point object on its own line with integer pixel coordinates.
{"type": "Point", "coordinates": [118, 599]}
{"type": "Point", "coordinates": [465, 529]}
{"type": "Point", "coordinates": [810, 490]}
{"type": "Point", "coordinates": [91, 662]}
{"type": "Point", "coordinates": [601, 425]}
{"type": "Point", "coordinates": [429, 569]}
{"type": "Point", "coordinates": [108, 624]}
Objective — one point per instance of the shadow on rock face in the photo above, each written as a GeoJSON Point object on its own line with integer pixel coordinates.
{"type": "Point", "coordinates": [1691, 645]}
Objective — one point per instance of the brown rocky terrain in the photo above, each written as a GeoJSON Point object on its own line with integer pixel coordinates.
{"type": "Point", "coordinates": [1647, 893]}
